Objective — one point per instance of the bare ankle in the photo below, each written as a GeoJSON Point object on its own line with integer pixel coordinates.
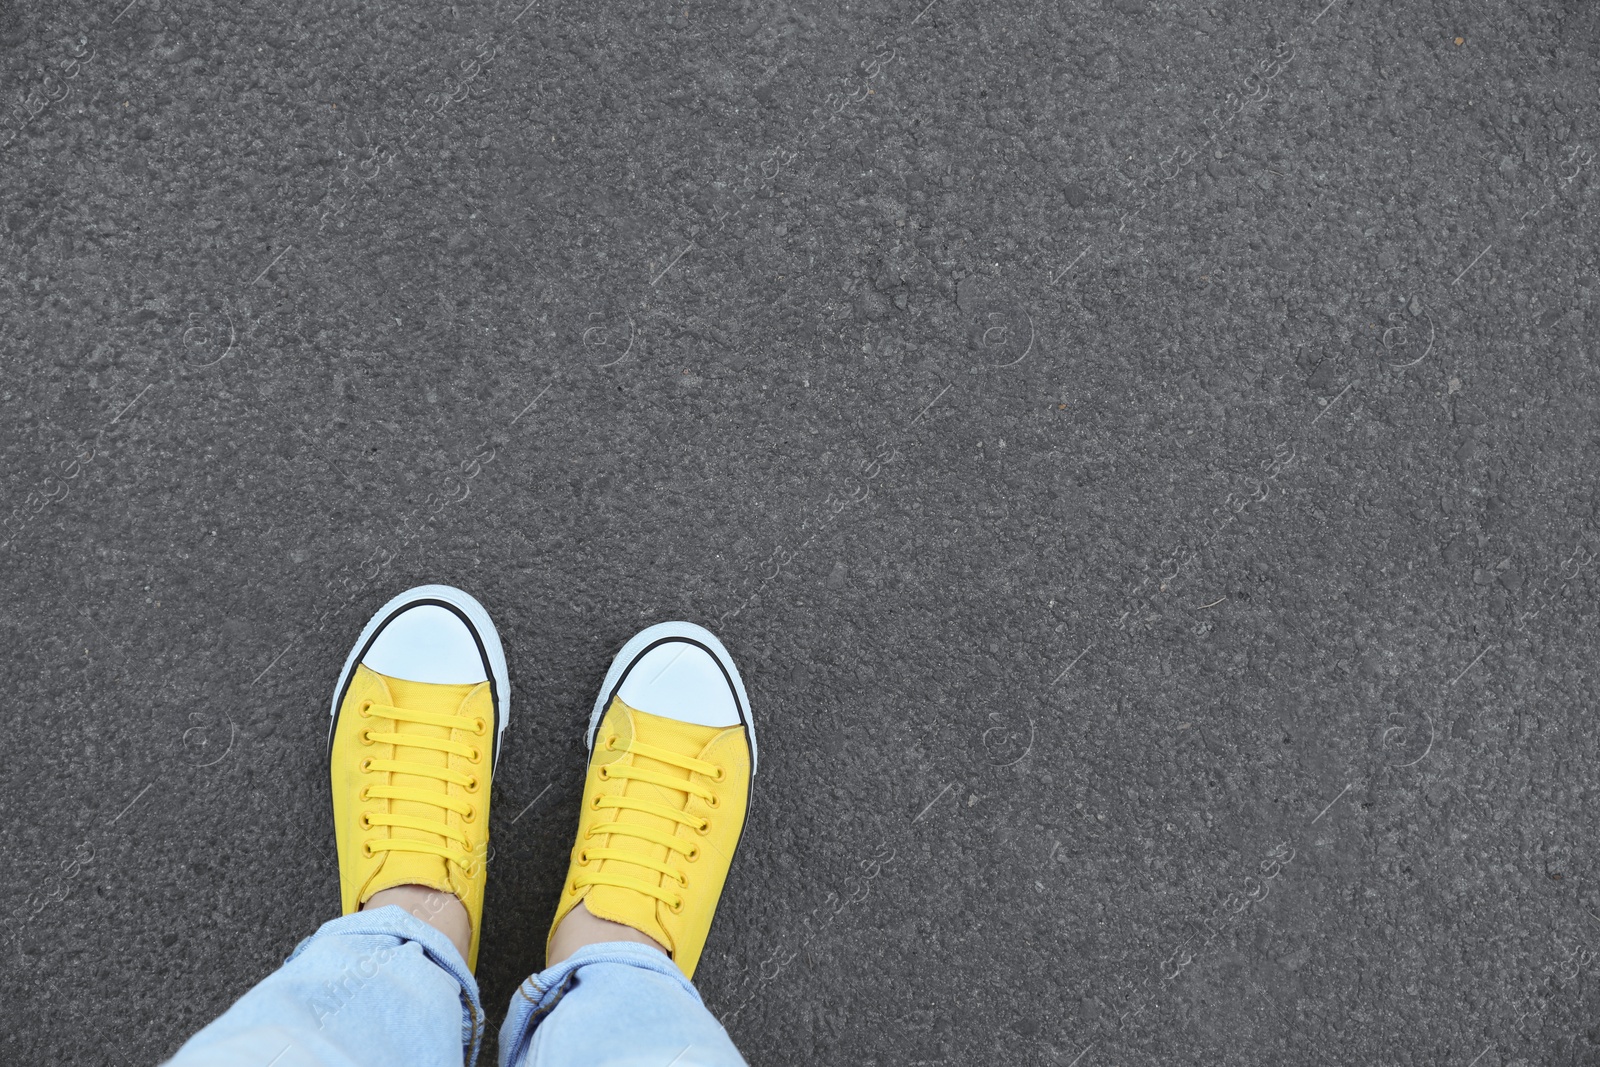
{"type": "Point", "coordinates": [580, 928]}
{"type": "Point", "coordinates": [442, 911]}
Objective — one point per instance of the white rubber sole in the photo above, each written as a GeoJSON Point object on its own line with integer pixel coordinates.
{"type": "Point", "coordinates": [652, 635]}
{"type": "Point", "coordinates": [478, 620]}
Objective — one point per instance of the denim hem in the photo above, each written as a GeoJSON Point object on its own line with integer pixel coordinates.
{"type": "Point", "coordinates": [396, 922]}
{"type": "Point", "coordinates": [539, 994]}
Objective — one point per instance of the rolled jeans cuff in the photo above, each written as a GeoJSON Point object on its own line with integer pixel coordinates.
{"type": "Point", "coordinates": [439, 950]}
{"type": "Point", "coordinates": [539, 994]}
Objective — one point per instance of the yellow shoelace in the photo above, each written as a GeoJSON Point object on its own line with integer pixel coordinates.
{"type": "Point", "coordinates": [673, 843]}
{"type": "Point", "coordinates": [439, 798]}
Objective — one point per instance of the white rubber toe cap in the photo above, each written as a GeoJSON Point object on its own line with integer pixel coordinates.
{"type": "Point", "coordinates": [678, 670]}
{"type": "Point", "coordinates": [427, 643]}
{"type": "Point", "coordinates": [435, 634]}
{"type": "Point", "coordinates": [678, 680]}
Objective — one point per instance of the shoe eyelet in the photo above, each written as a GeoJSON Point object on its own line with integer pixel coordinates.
{"type": "Point", "coordinates": [366, 738]}
{"type": "Point", "coordinates": [683, 880]}
{"type": "Point", "coordinates": [476, 757]}
{"type": "Point", "coordinates": [583, 857]}
{"type": "Point", "coordinates": [594, 805]}
{"type": "Point", "coordinates": [676, 906]}
{"type": "Point", "coordinates": [364, 796]}
{"type": "Point", "coordinates": [722, 772]}
{"type": "Point", "coordinates": [704, 827]}
{"type": "Point", "coordinates": [604, 774]}
{"type": "Point", "coordinates": [714, 803]}
{"type": "Point", "coordinates": [693, 853]}
{"type": "Point", "coordinates": [366, 849]}
{"type": "Point", "coordinates": [365, 710]}
{"type": "Point", "coordinates": [366, 819]}
{"type": "Point", "coordinates": [472, 784]}
{"type": "Point", "coordinates": [471, 813]}
{"type": "Point", "coordinates": [482, 726]}
{"type": "Point", "coordinates": [610, 745]}
{"type": "Point", "coordinates": [366, 765]}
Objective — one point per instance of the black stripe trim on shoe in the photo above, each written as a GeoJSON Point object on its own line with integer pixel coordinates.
{"type": "Point", "coordinates": [744, 718]}
{"type": "Point", "coordinates": [483, 654]}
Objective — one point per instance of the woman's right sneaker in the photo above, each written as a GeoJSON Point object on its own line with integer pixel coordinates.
{"type": "Point", "coordinates": [672, 752]}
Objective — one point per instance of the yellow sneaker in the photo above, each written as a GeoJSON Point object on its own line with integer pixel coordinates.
{"type": "Point", "coordinates": [417, 719]}
{"type": "Point", "coordinates": [672, 751]}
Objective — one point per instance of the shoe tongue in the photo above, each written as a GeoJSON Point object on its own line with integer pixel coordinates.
{"type": "Point", "coordinates": [415, 868]}
{"type": "Point", "coordinates": [611, 902]}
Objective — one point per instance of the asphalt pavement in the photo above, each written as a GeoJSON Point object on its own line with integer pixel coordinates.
{"type": "Point", "coordinates": [1142, 454]}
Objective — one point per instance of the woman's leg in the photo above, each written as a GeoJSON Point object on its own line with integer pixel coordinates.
{"type": "Point", "coordinates": [378, 987]}
{"type": "Point", "coordinates": [672, 754]}
{"type": "Point", "coordinates": [416, 723]}
{"type": "Point", "coordinates": [613, 1004]}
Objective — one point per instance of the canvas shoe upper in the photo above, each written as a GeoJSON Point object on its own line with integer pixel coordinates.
{"type": "Point", "coordinates": [417, 719]}
{"type": "Point", "coordinates": [672, 756]}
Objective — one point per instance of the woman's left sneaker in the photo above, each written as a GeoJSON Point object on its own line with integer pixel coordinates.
{"type": "Point", "coordinates": [417, 722]}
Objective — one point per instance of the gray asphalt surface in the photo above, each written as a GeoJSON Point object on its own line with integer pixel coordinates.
{"type": "Point", "coordinates": [1142, 454]}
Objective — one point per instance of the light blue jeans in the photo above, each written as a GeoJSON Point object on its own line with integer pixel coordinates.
{"type": "Point", "coordinates": [384, 989]}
